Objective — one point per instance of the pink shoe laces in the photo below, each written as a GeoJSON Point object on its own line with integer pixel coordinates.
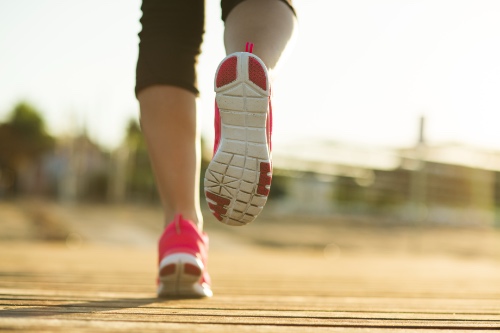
{"type": "Point", "coordinates": [249, 47]}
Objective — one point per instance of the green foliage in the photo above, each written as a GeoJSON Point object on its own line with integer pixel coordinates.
{"type": "Point", "coordinates": [140, 178]}
{"type": "Point", "coordinates": [346, 190]}
{"type": "Point", "coordinates": [134, 137]}
{"type": "Point", "coordinates": [23, 137]}
{"type": "Point", "coordinates": [27, 120]}
{"type": "Point", "coordinates": [278, 187]}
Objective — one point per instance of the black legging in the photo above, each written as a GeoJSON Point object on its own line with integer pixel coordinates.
{"type": "Point", "coordinates": [170, 41]}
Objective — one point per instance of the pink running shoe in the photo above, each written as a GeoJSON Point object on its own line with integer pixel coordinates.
{"type": "Point", "coordinates": [183, 261]}
{"type": "Point", "coordinates": [238, 179]}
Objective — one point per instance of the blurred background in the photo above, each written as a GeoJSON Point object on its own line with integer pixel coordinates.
{"type": "Point", "coordinates": [385, 135]}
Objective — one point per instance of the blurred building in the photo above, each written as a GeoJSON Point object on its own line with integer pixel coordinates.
{"type": "Point", "coordinates": [446, 184]}
{"type": "Point", "coordinates": [77, 169]}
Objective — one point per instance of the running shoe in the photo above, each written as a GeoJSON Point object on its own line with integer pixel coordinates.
{"type": "Point", "coordinates": [238, 179]}
{"type": "Point", "coordinates": [183, 261]}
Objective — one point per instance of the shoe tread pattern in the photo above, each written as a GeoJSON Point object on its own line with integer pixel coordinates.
{"type": "Point", "coordinates": [238, 178]}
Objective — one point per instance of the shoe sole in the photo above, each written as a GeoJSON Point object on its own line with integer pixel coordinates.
{"type": "Point", "coordinates": [238, 179]}
{"type": "Point", "coordinates": [180, 275]}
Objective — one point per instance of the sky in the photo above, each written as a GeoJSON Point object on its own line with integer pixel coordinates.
{"type": "Point", "coordinates": [360, 71]}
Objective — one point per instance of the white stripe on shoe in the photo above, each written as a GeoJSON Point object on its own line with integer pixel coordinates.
{"type": "Point", "coordinates": [180, 276]}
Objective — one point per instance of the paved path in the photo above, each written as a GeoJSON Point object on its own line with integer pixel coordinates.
{"type": "Point", "coordinates": [81, 268]}
{"type": "Point", "coordinates": [54, 287]}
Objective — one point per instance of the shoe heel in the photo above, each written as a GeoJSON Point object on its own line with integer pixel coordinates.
{"type": "Point", "coordinates": [179, 275]}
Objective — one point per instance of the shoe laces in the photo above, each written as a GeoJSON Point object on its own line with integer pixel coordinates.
{"type": "Point", "coordinates": [249, 47]}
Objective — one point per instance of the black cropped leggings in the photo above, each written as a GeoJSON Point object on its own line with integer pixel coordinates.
{"type": "Point", "coordinates": [170, 41]}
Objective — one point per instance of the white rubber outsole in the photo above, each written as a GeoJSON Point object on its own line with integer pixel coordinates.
{"type": "Point", "coordinates": [180, 276]}
{"type": "Point", "coordinates": [238, 178]}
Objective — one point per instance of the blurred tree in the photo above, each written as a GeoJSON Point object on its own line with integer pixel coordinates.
{"type": "Point", "coordinates": [23, 138]}
{"type": "Point", "coordinates": [134, 137]}
{"type": "Point", "coordinates": [140, 178]}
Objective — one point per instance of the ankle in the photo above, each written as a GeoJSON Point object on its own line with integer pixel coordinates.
{"type": "Point", "coordinates": [194, 217]}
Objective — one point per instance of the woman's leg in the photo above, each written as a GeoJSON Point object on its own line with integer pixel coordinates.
{"type": "Point", "coordinates": [268, 24]}
{"type": "Point", "coordinates": [169, 123]}
{"type": "Point", "coordinates": [166, 89]}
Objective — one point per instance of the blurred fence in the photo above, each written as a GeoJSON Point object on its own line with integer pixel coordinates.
{"type": "Point", "coordinates": [452, 184]}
